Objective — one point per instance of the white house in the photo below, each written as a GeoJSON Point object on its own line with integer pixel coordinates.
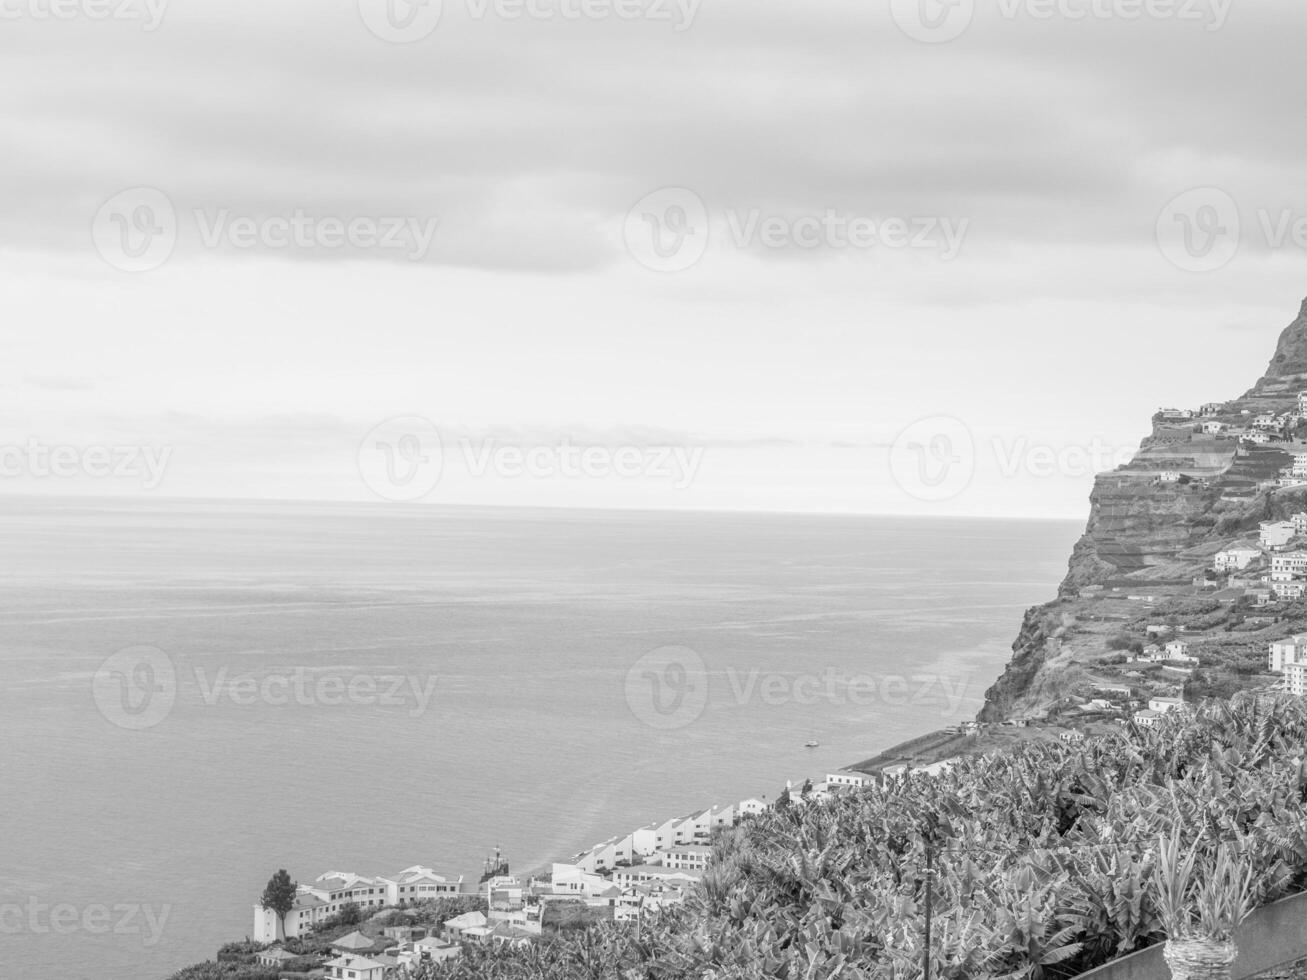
{"type": "Point", "coordinates": [435, 949]}
{"type": "Point", "coordinates": [750, 808]}
{"type": "Point", "coordinates": [1168, 476]}
{"type": "Point", "coordinates": [692, 857]}
{"type": "Point", "coordinates": [1235, 559]}
{"type": "Point", "coordinates": [1146, 718]}
{"type": "Point", "coordinates": [1260, 438]}
{"type": "Point", "coordinates": [693, 829]}
{"type": "Point", "coordinates": [568, 879]}
{"type": "Point", "coordinates": [1289, 590]}
{"type": "Point", "coordinates": [417, 884]}
{"type": "Point", "coordinates": [316, 903]}
{"type": "Point", "coordinates": [1295, 678]}
{"type": "Point", "coordinates": [1163, 705]}
{"type": "Point", "coordinates": [721, 816]}
{"type": "Point", "coordinates": [603, 857]}
{"type": "Point", "coordinates": [1288, 565]}
{"type": "Point", "coordinates": [665, 832]}
{"type": "Point", "coordinates": [1275, 534]}
{"type": "Point", "coordinates": [847, 777]}
{"type": "Point", "coordinates": [1213, 428]}
{"type": "Point", "coordinates": [354, 968]}
{"type": "Point", "coordinates": [1289, 651]}
{"type": "Point", "coordinates": [456, 929]}
{"type": "Point", "coordinates": [1179, 650]}
{"type": "Point", "coordinates": [625, 877]}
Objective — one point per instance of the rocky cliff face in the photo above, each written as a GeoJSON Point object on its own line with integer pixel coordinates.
{"type": "Point", "coordinates": [1149, 532]}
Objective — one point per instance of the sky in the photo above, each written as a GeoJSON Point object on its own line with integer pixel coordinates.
{"type": "Point", "coordinates": [926, 257]}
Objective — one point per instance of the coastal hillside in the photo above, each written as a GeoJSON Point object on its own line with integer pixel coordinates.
{"type": "Point", "coordinates": [1043, 863]}
{"type": "Point", "coordinates": [1189, 566]}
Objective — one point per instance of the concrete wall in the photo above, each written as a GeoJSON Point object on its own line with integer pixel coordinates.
{"type": "Point", "coordinates": [1272, 936]}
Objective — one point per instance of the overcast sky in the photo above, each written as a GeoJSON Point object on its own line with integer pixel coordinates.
{"type": "Point", "coordinates": [767, 254]}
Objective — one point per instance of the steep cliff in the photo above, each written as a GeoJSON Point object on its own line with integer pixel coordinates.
{"type": "Point", "coordinates": [1201, 481]}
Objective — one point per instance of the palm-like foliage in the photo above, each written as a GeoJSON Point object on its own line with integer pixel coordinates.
{"type": "Point", "coordinates": [1047, 863]}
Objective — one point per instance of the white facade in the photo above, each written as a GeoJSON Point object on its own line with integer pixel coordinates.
{"type": "Point", "coordinates": [418, 884]}
{"type": "Point", "coordinates": [1295, 679]}
{"type": "Point", "coordinates": [692, 857]}
{"type": "Point", "coordinates": [1288, 565]}
{"type": "Point", "coordinates": [1177, 650]}
{"type": "Point", "coordinates": [355, 968]}
{"type": "Point", "coordinates": [1235, 559]}
{"type": "Point", "coordinates": [1288, 651]}
{"type": "Point", "coordinates": [1163, 705]}
{"type": "Point", "coordinates": [1289, 590]}
{"type": "Point", "coordinates": [846, 777]}
{"type": "Point", "coordinates": [1275, 534]}
{"type": "Point", "coordinates": [626, 877]}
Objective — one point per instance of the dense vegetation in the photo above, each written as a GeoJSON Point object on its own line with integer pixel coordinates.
{"type": "Point", "coordinates": [1044, 857]}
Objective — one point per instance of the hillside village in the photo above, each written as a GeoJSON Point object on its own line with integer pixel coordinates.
{"type": "Point", "coordinates": [1194, 561]}
{"type": "Point", "coordinates": [627, 878]}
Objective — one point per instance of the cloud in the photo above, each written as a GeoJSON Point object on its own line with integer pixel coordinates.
{"type": "Point", "coordinates": [529, 139]}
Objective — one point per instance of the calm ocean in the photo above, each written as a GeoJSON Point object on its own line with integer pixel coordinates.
{"type": "Point", "coordinates": [525, 648]}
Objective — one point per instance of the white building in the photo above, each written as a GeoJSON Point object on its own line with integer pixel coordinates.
{"type": "Point", "coordinates": [750, 808]}
{"type": "Point", "coordinates": [1289, 590]}
{"type": "Point", "coordinates": [1288, 565]}
{"type": "Point", "coordinates": [418, 884]}
{"type": "Point", "coordinates": [317, 902]}
{"type": "Point", "coordinates": [1178, 650]}
{"type": "Point", "coordinates": [847, 777]}
{"type": "Point", "coordinates": [355, 968]}
{"type": "Point", "coordinates": [1235, 559]}
{"type": "Point", "coordinates": [1260, 438]}
{"type": "Point", "coordinates": [689, 857]}
{"type": "Point", "coordinates": [641, 874]}
{"type": "Point", "coordinates": [1292, 650]}
{"type": "Point", "coordinates": [568, 879]}
{"type": "Point", "coordinates": [1163, 705]}
{"type": "Point", "coordinates": [1275, 534]}
{"type": "Point", "coordinates": [1295, 679]}
{"type": "Point", "coordinates": [462, 926]}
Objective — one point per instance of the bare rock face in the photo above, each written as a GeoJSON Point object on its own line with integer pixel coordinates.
{"type": "Point", "coordinates": [1290, 360]}
{"type": "Point", "coordinates": [1145, 530]}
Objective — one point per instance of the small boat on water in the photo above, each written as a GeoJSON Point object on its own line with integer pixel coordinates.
{"type": "Point", "coordinates": [811, 745]}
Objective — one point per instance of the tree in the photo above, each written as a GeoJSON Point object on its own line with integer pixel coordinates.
{"type": "Point", "coordinates": [783, 800]}
{"type": "Point", "coordinates": [279, 897]}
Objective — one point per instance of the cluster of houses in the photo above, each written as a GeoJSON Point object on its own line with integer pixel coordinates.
{"type": "Point", "coordinates": [1260, 428]}
{"type": "Point", "coordinates": [634, 875]}
{"type": "Point", "coordinates": [1270, 570]}
{"type": "Point", "coordinates": [1157, 707]}
{"type": "Point", "coordinates": [1289, 659]}
{"type": "Point", "coordinates": [1172, 654]}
